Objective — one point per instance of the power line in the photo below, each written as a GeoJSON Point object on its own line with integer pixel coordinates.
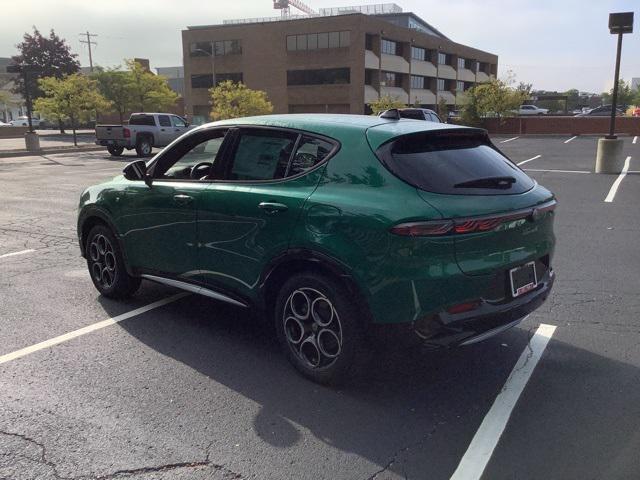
{"type": "Point", "coordinates": [89, 43]}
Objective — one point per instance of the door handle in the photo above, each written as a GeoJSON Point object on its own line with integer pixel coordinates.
{"type": "Point", "coordinates": [182, 199]}
{"type": "Point", "coordinates": [162, 129]}
{"type": "Point", "coordinates": [272, 207]}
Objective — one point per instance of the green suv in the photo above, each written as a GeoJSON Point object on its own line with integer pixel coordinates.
{"type": "Point", "coordinates": [331, 225]}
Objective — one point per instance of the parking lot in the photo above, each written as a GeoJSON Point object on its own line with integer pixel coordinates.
{"type": "Point", "coordinates": [161, 387]}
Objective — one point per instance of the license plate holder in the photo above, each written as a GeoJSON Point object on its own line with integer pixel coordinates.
{"type": "Point", "coordinates": [523, 279]}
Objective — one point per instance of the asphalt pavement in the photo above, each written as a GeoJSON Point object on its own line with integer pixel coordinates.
{"type": "Point", "coordinates": [190, 388]}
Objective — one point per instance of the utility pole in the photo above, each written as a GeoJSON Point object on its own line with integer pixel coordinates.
{"type": "Point", "coordinates": [89, 43]}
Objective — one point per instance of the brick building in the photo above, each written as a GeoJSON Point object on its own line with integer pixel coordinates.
{"type": "Point", "coordinates": [338, 61]}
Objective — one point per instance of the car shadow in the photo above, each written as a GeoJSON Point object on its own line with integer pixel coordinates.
{"type": "Point", "coordinates": [409, 413]}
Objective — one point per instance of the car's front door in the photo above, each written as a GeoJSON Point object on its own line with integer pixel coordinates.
{"type": "Point", "coordinates": [179, 126]}
{"type": "Point", "coordinates": [158, 223]}
{"type": "Point", "coordinates": [248, 215]}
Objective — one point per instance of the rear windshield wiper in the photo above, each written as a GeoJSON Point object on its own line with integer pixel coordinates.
{"type": "Point", "coordinates": [488, 182]}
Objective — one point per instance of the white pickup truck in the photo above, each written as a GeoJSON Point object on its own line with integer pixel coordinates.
{"type": "Point", "coordinates": [144, 131]}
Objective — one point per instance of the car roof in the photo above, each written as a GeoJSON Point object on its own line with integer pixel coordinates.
{"type": "Point", "coordinates": [341, 126]}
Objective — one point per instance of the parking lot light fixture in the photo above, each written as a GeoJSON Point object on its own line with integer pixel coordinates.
{"type": "Point", "coordinates": [619, 23]}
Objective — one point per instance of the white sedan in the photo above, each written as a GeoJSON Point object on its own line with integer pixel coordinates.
{"type": "Point", "coordinates": [532, 110]}
{"type": "Point", "coordinates": [24, 122]}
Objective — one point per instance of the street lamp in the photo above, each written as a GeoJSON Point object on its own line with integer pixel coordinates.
{"type": "Point", "coordinates": [619, 23]}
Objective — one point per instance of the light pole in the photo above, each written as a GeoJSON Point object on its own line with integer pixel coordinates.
{"type": "Point", "coordinates": [619, 23]}
{"type": "Point", "coordinates": [211, 54]}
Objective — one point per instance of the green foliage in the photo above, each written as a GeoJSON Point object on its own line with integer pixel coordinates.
{"type": "Point", "coordinates": [443, 109]}
{"type": "Point", "coordinates": [469, 114]}
{"type": "Point", "coordinates": [626, 96]}
{"type": "Point", "coordinates": [50, 55]}
{"type": "Point", "coordinates": [148, 92]}
{"type": "Point", "coordinates": [496, 98]}
{"type": "Point", "coordinates": [74, 98]}
{"type": "Point", "coordinates": [233, 100]}
{"type": "Point", "coordinates": [385, 102]}
{"type": "Point", "coordinates": [114, 85]}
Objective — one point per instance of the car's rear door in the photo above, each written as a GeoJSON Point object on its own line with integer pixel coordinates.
{"type": "Point", "coordinates": [165, 131]}
{"type": "Point", "coordinates": [247, 216]}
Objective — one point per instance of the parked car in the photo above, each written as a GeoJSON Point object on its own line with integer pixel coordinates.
{"type": "Point", "coordinates": [24, 122]}
{"type": "Point", "coordinates": [416, 114]}
{"type": "Point", "coordinates": [532, 110]}
{"type": "Point", "coordinates": [604, 110]}
{"type": "Point", "coordinates": [144, 131]}
{"type": "Point", "coordinates": [331, 224]}
{"type": "Point", "coordinates": [2, 124]}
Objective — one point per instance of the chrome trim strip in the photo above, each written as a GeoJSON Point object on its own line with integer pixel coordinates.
{"type": "Point", "coordinates": [194, 289]}
{"type": "Point", "coordinates": [491, 333]}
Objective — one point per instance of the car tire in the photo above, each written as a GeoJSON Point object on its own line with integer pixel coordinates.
{"type": "Point", "coordinates": [106, 264]}
{"type": "Point", "coordinates": [144, 147]}
{"type": "Point", "coordinates": [115, 151]}
{"type": "Point", "coordinates": [319, 328]}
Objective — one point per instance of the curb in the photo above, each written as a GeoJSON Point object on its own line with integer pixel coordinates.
{"type": "Point", "coordinates": [49, 151]}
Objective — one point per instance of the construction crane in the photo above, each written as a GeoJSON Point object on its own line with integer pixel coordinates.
{"type": "Point", "coordinates": [285, 7]}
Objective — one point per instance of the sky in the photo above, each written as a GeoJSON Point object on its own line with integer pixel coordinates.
{"type": "Point", "coordinates": [553, 44]}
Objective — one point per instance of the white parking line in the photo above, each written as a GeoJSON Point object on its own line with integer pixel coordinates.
{"type": "Point", "coordinates": [21, 252]}
{"type": "Point", "coordinates": [616, 184]}
{"type": "Point", "coordinates": [479, 453]}
{"type": "Point", "coordinates": [529, 160]}
{"type": "Point", "coordinates": [572, 138]}
{"type": "Point", "coordinates": [88, 329]}
{"type": "Point", "coordinates": [635, 139]}
{"type": "Point", "coordinates": [509, 139]}
{"type": "Point", "coordinates": [558, 171]}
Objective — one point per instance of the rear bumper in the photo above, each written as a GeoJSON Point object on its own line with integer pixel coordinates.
{"type": "Point", "coordinates": [113, 143]}
{"type": "Point", "coordinates": [487, 320]}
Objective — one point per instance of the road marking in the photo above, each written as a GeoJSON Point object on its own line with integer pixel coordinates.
{"type": "Point", "coordinates": [635, 139]}
{"type": "Point", "coordinates": [560, 171]}
{"type": "Point", "coordinates": [21, 252]}
{"type": "Point", "coordinates": [88, 329]}
{"type": "Point", "coordinates": [572, 138]}
{"type": "Point", "coordinates": [529, 160]}
{"type": "Point", "coordinates": [616, 184]}
{"type": "Point", "coordinates": [509, 139]}
{"type": "Point", "coordinates": [479, 453]}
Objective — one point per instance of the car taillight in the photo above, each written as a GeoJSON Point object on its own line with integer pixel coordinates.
{"type": "Point", "coordinates": [126, 133]}
{"type": "Point", "coordinates": [468, 225]}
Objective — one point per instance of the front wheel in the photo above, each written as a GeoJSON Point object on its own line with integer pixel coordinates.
{"type": "Point", "coordinates": [115, 151]}
{"type": "Point", "coordinates": [319, 328]}
{"type": "Point", "coordinates": [106, 264]}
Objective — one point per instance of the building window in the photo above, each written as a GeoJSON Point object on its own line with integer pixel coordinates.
{"type": "Point", "coordinates": [418, 53]}
{"type": "Point", "coordinates": [200, 49]}
{"type": "Point", "coordinates": [368, 41]}
{"type": "Point", "coordinates": [440, 84]}
{"type": "Point", "coordinates": [444, 58]}
{"type": "Point", "coordinates": [202, 81]}
{"type": "Point", "coordinates": [326, 76]}
{"type": "Point", "coordinates": [461, 62]}
{"type": "Point", "coordinates": [390, 47]}
{"type": "Point", "coordinates": [227, 47]}
{"type": "Point", "coordinates": [234, 77]}
{"type": "Point", "coordinates": [390, 79]}
{"type": "Point", "coordinates": [368, 77]}
{"type": "Point", "coordinates": [417, 82]}
{"type": "Point", "coordinates": [459, 86]}
{"type": "Point", "coordinates": [314, 41]}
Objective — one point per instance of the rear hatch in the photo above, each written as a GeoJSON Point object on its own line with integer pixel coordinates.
{"type": "Point", "coordinates": [109, 132]}
{"type": "Point", "coordinates": [500, 218]}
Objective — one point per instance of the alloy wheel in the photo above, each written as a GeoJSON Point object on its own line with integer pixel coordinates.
{"type": "Point", "coordinates": [312, 327]}
{"type": "Point", "coordinates": [103, 261]}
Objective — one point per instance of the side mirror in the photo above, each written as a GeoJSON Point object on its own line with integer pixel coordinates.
{"type": "Point", "coordinates": [136, 171]}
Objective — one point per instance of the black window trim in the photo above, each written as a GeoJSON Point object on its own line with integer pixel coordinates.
{"type": "Point", "coordinates": [236, 129]}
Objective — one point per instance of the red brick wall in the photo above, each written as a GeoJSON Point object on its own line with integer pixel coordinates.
{"type": "Point", "coordinates": [562, 125]}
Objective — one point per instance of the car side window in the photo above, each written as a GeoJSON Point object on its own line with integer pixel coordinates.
{"type": "Point", "coordinates": [177, 121]}
{"type": "Point", "coordinates": [193, 158]}
{"type": "Point", "coordinates": [261, 154]}
{"type": "Point", "coordinates": [309, 153]}
{"type": "Point", "coordinates": [164, 120]}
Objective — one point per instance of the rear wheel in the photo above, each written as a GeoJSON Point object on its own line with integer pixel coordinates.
{"type": "Point", "coordinates": [144, 147]}
{"type": "Point", "coordinates": [319, 328]}
{"type": "Point", "coordinates": [106, 264]}
{"type": "Point", "coordinates": [115, 151]}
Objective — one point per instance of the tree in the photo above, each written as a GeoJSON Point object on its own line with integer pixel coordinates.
{"type": "Point", "coordinates": [149, 92]}
{"type": "Point", "coordinates": [50, 55]}
{"type": "Point", "coordinates": [443, 109]}
{"type": "Point", "coordinates": [385, 102]}
{"type": "Point", "coordinates": [115, 86]}
{"type": "Point", "coordinates": [625, 94]}
{"type": "Point", "coordinates": [74, 98]}
{"type": "Point", "coordinates": [232, 100]}
{"type": "Point", "coordinates": [469, 114]}
{"type": "Point", "coordinates": [497, 98]}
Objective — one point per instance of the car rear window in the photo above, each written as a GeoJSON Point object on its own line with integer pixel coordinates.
{"type": "Point", "coordinates": [142, 120]}
{"type": "Point", "coordinates": [412, 114]}
{"type": "Point", "coordinates": [461, 163]}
